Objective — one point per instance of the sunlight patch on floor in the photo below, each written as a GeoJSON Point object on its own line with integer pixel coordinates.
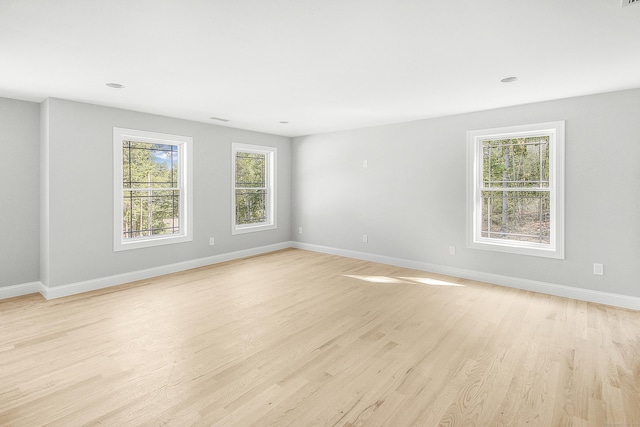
{"type": "Point", "coordinates": [432, 282]}
{"type": "Point", "coordinates": [376, 279]}
{"type": "Point", "coordinates": [406, 280]}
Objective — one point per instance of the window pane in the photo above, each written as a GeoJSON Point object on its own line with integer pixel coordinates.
{"type": "Point", "coordinates": [175, 168]}
{"type": "Point", "coordinates": [516, 163]}
{"type": "Point", "coordinates": [147, 165]}
{"type": "Point", "coordinates": [516, 215]}
{"type": "Point", "coordinates": [251, 206]}
{"type": "Point", "coordinates": [150, 213]}
{"type": "Point", "coordinates": [251, 170]}
{"type": "Point", "coordinates": [126, 166]}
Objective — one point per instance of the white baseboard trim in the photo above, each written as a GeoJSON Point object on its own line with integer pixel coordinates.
{"type": "Point", "coordinates": [51, 292]}
{"type": "Point", "coordinates": [20, 290]}
{"type": "Point", "coordinates": [581, 294]}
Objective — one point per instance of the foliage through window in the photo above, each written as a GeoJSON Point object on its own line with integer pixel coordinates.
{"type": "Point", "coordinates": [517, 189]}
{"type": "Point", "coordinates": [254, 191]}
{"type": "Point", "coordinates": [515, 195]}
{"type": "Point", "coordinates": [151, 190]}
{"type": "Point", "coordinates": [151, 193]}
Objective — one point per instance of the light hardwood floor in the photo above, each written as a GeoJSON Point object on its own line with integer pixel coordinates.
{"type": "Point", "coordinates": [296, 338]}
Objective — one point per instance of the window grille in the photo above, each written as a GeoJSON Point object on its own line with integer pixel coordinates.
{"type": "Point", "coordinates": [515, 189]}
{"type": "Point", "coordinates": [151, 191]}
{"type": "Point", "coordinates": [251, 188]}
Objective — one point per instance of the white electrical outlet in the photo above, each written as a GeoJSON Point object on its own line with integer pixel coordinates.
{"type": "Point", "coordinates": [452, 250]}
{"type": "Point", "coordinates": [211, 241]}
{"type": "Point", "coordinates": [365, 164]}
{"type": "Point", "coordinates": [598, 269]}
{"type": "Point", "coordinates": [299, 230]}
{"type": "Point", "coordinates": [365, 238]}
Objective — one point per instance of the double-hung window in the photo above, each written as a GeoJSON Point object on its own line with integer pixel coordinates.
{"type": "Point", "coordinates": [253, 193]}
{"type": "Point", "coordinates": [152, 189]}
{"type": "Point", "coordinates": [516, 189]}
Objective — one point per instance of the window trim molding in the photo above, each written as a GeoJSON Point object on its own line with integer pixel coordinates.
{"type": "Point", "coordinates": [272, 154]}
{"type": "Point", "coordinates": [556, 248]}
{"type": "Point", "coordinates": [185, 147]}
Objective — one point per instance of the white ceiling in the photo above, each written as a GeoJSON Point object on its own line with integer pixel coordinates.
{"type": "Point", "coordinates": [322, 65]}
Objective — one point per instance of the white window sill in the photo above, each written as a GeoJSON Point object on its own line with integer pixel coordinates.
{"type": "Point", "coordinates": [253, 228]}
{"type": "Point", "coordinates": [507, 246]}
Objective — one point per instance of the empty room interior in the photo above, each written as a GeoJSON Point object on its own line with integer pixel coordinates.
{"type": "Point", "coordinates": [320, 213]}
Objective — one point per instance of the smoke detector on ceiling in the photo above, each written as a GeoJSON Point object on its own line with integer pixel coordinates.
{"type": "Point", "coordinates": [626, 3]}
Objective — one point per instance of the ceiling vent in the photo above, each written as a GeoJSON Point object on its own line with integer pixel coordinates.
{"type": "Point", "coordinates": [626, 3]}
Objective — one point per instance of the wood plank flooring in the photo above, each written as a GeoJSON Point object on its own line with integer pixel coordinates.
{"type": "Point", "coordinates": [296, 338]}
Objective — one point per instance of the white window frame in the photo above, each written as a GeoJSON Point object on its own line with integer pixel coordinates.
{"type": "Point", "coordinates": [185, 183]}
{"type": "Point", "coordinates": [556, 132]}
{"type": "Point", "coordinates": [271, 156]}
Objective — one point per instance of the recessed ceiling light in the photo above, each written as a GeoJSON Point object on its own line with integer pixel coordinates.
{"type": "Point", "coordinates": [220, 119]}
{"type": "Point", "coordinates": [509, 79]}
{"type": "Point", "coordinates": [283, 122]}
{"type": "Point", "coordinates": [115, 85]}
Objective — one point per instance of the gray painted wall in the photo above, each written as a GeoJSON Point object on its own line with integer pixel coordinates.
{"type": "Point", "coordinates": [80, 140]}
{"type": "Point", "coordinates": [411, 200]}
{"type": "Point", "coordinates": [19, 175]}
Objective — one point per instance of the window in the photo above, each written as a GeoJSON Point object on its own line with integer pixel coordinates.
{"type": "Point", "coordinates": [515, 189]}
{"type": "Point", "coordinates": [253, 193]}
{"type": "Point", "coordinates": [152, 189]}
